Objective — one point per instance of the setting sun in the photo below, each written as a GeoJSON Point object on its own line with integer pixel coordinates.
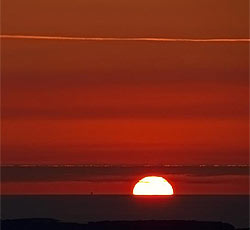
{"type": "Point", "coordinates": [153, 185]}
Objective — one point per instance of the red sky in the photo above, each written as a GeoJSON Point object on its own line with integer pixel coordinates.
{"type": "Point", "coordinates": [186, 103]}
{"type": "Point", "coordinates": [75, 102]}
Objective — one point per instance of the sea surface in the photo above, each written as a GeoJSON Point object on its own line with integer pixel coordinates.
{"type": "Point", "coordinates": [232, 209]}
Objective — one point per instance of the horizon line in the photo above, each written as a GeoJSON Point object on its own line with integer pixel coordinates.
{"type": "Point", "coordinates": [123, 165]}
{"type": "Point", "coordinates": [136, 39]}
{"type": "Point", "coordinates": [124, 194]}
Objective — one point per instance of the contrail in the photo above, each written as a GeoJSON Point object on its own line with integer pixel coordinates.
{"type": "Point", "coordinates": [145, 39]}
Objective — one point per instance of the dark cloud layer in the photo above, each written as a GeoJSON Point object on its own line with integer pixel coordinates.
{"type": "Point", "coordinates": [99, 173]}
{"type": "Point", "coordinates": [143, 112]}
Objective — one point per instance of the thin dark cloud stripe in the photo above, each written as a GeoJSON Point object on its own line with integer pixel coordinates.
{"type": "Point", "coordinates": [135, 39]}
{"type": "Point", "coordinates": [95, 173]}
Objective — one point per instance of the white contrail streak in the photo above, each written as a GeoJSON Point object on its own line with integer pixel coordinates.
{"type": "Point", "coordinates": [65, 38]}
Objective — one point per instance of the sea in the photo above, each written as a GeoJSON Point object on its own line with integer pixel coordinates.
{"type": "Point", "coordinates": [233, 209]}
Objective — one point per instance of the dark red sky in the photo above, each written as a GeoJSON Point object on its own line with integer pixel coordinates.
{"type": "Point", "coordinates": [73, 102]}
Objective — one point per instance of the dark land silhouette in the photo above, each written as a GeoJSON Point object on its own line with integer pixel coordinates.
{"type": "Point", "coordinates": [52, 224]}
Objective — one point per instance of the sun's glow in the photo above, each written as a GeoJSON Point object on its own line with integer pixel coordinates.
{"type": "Point", "coordinates": [153, 185]}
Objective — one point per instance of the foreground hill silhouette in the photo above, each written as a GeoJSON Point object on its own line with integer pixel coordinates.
{"type": "Point", "coordinates": [51, 224]}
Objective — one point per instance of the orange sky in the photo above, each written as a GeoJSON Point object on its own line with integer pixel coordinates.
{"type": "Point", "coordinates": [73, 102]}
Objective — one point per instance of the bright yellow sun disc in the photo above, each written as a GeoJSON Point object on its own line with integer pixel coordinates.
{"type": "Point", "coordinates": [153, 185]}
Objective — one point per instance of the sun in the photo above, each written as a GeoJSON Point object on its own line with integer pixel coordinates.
{"type": "Point", "coordinates": [153, 185]}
